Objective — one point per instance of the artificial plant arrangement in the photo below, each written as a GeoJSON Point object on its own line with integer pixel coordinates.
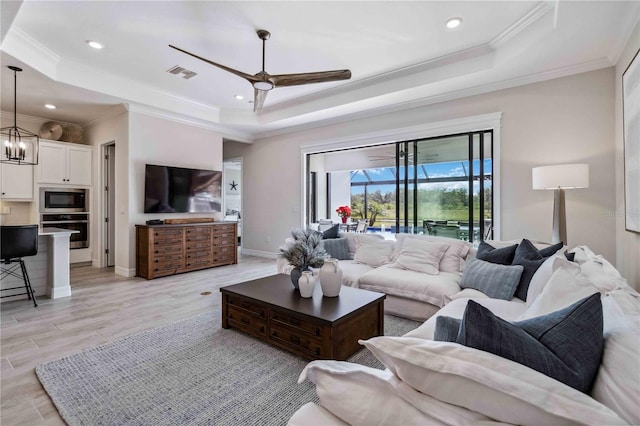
{"type": "Point", "coordinates": [305, 252]}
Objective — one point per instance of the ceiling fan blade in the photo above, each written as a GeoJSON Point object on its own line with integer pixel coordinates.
{"type": "Point", "coordinates": [258, 99]}
{"type": "Point", "coordinates": [282, 80]}
{"type": "Point", "coordinates": [247, 77]}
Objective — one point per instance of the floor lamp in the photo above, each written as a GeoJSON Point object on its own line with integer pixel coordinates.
{"type": "Point", "coordinates": [559, 178]}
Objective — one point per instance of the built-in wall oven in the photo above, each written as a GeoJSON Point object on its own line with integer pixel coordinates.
{"type": "Point", "coordinates": [72, 221]}
{"type": "Point", "coordinates": [66, 208]}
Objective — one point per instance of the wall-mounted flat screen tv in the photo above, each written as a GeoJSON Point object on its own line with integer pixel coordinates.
{"type": "Point", "coordinates": [179, 190]}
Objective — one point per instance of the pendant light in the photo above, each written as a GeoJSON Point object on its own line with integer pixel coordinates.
{"type": "Point", "coordinates": [19, 146]}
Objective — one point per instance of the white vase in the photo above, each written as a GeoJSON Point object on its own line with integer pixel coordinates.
{"type": "Point", "coordinates": [306, 284]}
{"type": "Point", "coordinates": [331, 278]}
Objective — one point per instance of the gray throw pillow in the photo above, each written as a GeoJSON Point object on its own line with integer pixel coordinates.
{"type": "Point", "coordinates": [503, 255]}
{"type": "Point", "coordinates": [494, 280]}
{"type": "Point", "coordinates": [446, 329]}
{"type": "Point", "coordinates": [530, 258]}
{"type": "Point", "coordinates": [331, 232]}
{"type": "Point", "coordinates": [338, 248]}
{"type": "Point", "coordinates": [566, 345]}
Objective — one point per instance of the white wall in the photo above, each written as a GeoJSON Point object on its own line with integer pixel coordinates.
{"type": "Point", "coordinates": [627, 243]}
{"type": "Point", "coordinates": [158, 141]}
{"type": "Point", "coordinates": [142, 139]}
{"type": "Point", "coordinates": [114, 128]}
{"type": "Point", "coordinates": [564, 120]}
{"type": "Point", "coordinates": [340, 193]}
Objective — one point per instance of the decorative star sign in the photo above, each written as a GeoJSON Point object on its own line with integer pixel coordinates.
{"type": "Point", "coordinates": [233, 185]}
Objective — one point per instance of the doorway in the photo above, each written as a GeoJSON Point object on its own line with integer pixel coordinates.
{"type": "Point", "coordinates": [233, 193]}
{"type": "Point", "coordinates": [109, 205]}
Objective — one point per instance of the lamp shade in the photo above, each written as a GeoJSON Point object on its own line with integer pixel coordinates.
{"type": "Point", "coordinates": [563, 176]}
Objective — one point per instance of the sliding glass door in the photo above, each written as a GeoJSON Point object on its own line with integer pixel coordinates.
{"type": "Point", "coordinates": [444, 186]}
{"type": "Point", "coordinates": [438, 186]}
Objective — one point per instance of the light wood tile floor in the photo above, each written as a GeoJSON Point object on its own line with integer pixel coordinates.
{"type": "Point", "coordinates": [103, 307]}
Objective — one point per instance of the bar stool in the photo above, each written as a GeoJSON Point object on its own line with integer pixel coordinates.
{"type": "Point", "coordinates": [17, 242]}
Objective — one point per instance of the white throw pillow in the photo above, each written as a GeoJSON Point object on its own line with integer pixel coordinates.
{"type": "Point", "coordinates": [373, 252]}
{"type": "Point", "coordinates": [483, 382]}
{"type": "Point", "coordinates": [467, 293]}
{"type": "Point", "coordinates": [571, 282]}
{"type": "Point", "coordinates": [617, 384]}
{"type": "Point", "coordinates": [564, 288]}
{"type": "Point", "coordinates": [454, 257]}
{"type": "Point", "coordinates": [542, 276]}
{"type": "Point", "coordinates": [362, 395]}
{"type": "Point", "coordinates": [420, 256]}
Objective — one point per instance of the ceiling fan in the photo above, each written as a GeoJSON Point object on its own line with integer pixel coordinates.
{"type": "Point", "coordinates": [263, 81]}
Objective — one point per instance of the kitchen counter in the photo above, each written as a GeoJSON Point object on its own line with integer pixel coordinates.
{"type": "Point", "coordinates": [49, 269]}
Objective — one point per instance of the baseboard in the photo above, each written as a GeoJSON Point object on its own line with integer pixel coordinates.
{"type": "Point", "coordinates": [259, 253]}
{"type": "Point", "coordinates": [125, 272]}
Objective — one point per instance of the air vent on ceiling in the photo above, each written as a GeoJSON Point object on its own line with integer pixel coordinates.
{"type": "Point", "coordinates": [186, 74]}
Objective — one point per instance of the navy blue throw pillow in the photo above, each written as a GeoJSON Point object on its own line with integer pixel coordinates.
{"type": "Point", "coordinates": [503, 256]}
{"type": "Point", "coordinates": [331, 232]}
{"type": "Point", "coordinates": [565, 345]}
{"type": "Point", "coordinates": [530, 258]}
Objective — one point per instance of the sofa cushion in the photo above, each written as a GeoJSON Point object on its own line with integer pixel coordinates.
{"type": "Point", "coordinates": [374, 252]}
{"type": "Point", "coordinates": [467, 293]}
{"type": "Point", "coordinates": [453, 259]}
{"type": "Point", "coordinates": [361, 395]}
{"type": "Point", "coordinates": [566, 344]}
{"type": "Point", "coordinates": [618, 382]}
{"type": "Point", "coordinates": [432, 289]}
{"type": "Point", "coordinates": [420, 256]}
{"type": "Point", "coordinates": [338, 248]}
{"type": "Point", "coordinates": [486, 383]}
{"type": "Point", "coordinates": [493, 279]}
{"type": "Point", "coordinates": [489, 253]}
{"type": "Point", "coordinates": [531, 259]}
{"type": "Point", "coordinates": [352, 271]}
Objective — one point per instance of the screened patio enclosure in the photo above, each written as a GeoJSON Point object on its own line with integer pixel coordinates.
{"type": "Point", "coordinates": [435, 186]}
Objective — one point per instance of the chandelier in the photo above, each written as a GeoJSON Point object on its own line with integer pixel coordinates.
{"type": "Point", "coordinates": [20, 145]}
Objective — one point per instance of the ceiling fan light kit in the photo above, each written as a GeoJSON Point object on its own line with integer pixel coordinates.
{"type": "Point", "coordinates": [20, 145]}
{"type": "Point", "coordinates": [263, 82]}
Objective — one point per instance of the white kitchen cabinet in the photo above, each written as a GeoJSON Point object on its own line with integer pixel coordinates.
{"type": "Point", "coordinates": [17, 182]}
{"type": "Point", "coordinates": [64, 164]}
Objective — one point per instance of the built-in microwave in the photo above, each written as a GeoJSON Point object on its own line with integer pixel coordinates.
{"type": "Point", "coordinates": [63, 200]}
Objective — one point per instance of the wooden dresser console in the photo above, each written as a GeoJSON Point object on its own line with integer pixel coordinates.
{"type": "Point", "coordinates": [163, 250]}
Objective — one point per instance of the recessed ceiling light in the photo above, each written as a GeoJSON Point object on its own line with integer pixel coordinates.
{"type": "Point", "coordinates": [239, 97]}
{"type": "Point", "coordinates": [95, 44]}
{"type": "Point", "coordinates": [454, 22]}
{"type": "Point", "coordinates": [49, 106]}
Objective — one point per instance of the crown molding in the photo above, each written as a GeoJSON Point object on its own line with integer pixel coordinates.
{"type": "Point", "coordinates": [30, 119]}
{"type": "Point", "coordinates": [444, 97]}
{"type": "Point", "coordinates": [225, 131]}
{"type": "Point", "coordinates": [536, 13]}
{"type": "Point", "coordinates": [112, 112]}
{"type": "Point", "coordinates": [627, 30]}
{"type": "Point", "coordinates": [21, 45]}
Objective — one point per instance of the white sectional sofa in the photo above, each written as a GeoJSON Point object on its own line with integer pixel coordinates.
{"type": "Point", "coordinates": [371, 264]}
{"type": "Point", "coordinates": [445, 382]}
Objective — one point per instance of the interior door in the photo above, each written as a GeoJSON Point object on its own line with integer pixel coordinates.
{"type": "Point", "coordinates": [110, 205]}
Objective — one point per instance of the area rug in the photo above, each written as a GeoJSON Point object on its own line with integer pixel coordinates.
{"type": "Point", "coordinates": [189, 373]}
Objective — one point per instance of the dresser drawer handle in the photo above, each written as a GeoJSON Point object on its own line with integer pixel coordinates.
{"type": "Point", "coordinates": [317, 331]}
{"type": "Point", "coordinates": [230, 316]}
{"type": "Point", "coordinates": [245, 305]}
{"type": "Point", "coordinates": [295, 339]}
{"type": "Point", "coordinates": [274, 334]}
{"type": "Point", "coordinates": [317, 351]}
{"type": "Point", "coordinates": [294, 321]}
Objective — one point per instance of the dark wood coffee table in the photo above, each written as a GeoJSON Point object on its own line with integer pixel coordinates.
{"type": "Point", "coordinates": [314, 328]}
